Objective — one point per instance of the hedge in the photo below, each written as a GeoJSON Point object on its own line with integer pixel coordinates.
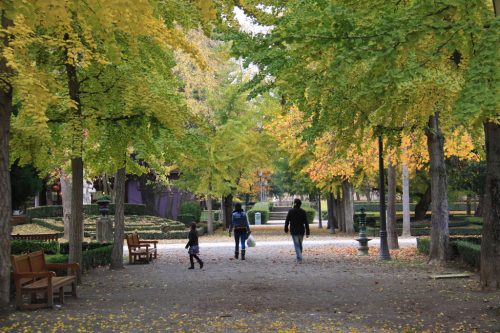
{"type": "Point", "coordinates": [469, 252]}
{"type": "Point", "coordinates": [26, 246]}
{"type": "Point", "coordinates": [86, 246]}
{"type": "Point", "coordinates": [93, 209]}
{"type": "Point", "coordinates": [263, 209]}
{"type": "Point", "coordinates": [192, 208]}
{"type": "Point", "coordinates": [204, 215]}
{"type": "Point", "coordinates": [187, 219]}
{"type": "Point", "coordinates": [423, 245]}
{"type": "Point", "coordinates": [48, 225]}
{"type": "Point", "coordinates": [96, 257]}
{"type": "Point", "coordinates": [374, 206]}
{"type": "Point", "coordinates": [310, 212]}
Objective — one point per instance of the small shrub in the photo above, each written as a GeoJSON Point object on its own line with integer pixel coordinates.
{"type": "Point", "coordinates": [99, 256]}
{"type": "Point", "coordinates": [423, 245]}
{"type": "Point", "coordinates": [263, 209]}
{"type": "Point", "coordinates": [311, 213]}
{"type": "Point", "coordinates": [191, 208]}
{"type": "Point", "coordinates": [187, 219]}
{"type": "Point", "coordinates": [27, 246]}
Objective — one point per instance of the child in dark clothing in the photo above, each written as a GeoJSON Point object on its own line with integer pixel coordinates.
{"type": "Point", "coordinates": [194, 249]}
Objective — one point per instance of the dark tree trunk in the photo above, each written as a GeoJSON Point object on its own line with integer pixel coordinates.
{"type": "Point", "coordinates": [320, 220]}
{"type": "Point", "coordinates": [392, 230]}
{"type": "Point", "coordinates": [5, 189]}
{"type": "Point", "coordinates": [228, 207]}
{"type": "Point", "coordinates": [423, 204]}
{"type": "Point", "coordinates": [469, 204]}
{"type": "Point", "coordinates": [479, 208]}
{"type": "Point", "coordinates": [490, 245]}
{"type": "Point", "coordinates": [330, 208]}
{"type": "Point", "coordinates": [119, 234]}
{"type": "Point", "coordinates": [76, 226]}
{"type": "Point", "coordinates": [339, 211]}
{"type": "Point", "coordinates": [210, 222]}
{"type": "Point", "coordinates": [439, 187]}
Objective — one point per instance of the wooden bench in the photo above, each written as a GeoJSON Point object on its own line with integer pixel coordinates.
{"type": "Point", "coordinates": [40, 237]}
{"type": "Point", "coordinates": [32, 275]}
{"type": "Point", "coordinates": [140, 250]}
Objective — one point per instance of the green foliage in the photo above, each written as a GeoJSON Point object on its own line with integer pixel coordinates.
{"type": "Point", "coordinates": [423, 245]}
{"type": "Point", "coordinates": [192, 208]}
{"type": "Point", "coordinates": [263, 209]}
{"type": "Point", "coordinates": [24, 183]}
{"type": "Point", "coordinates": [187, 219]}
{"type": "Point", "coordinates": [86, 246]}
{"type": "Point", "coordinates": [92, 258]}
{"type": "Point", "coordinates": [466, 175]}
{"type": "Point", "coordinates": [311, 213]}
{"type": "Point", "coordinates": [469, 252]}
{"type": "Point", "coordinates": [27, 246]}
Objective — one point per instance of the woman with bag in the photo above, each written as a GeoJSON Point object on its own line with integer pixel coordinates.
{"type": "Point", "coordinates": [239, 223]}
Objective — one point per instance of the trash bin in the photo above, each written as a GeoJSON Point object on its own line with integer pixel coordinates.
{"type": "Point", "coordinates": [258, 219]}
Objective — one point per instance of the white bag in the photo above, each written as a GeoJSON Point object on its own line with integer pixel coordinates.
{"type": "Point", "coordinates": [250, 241]}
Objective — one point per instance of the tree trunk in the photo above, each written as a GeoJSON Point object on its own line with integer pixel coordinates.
{"type": "Point", "coordinates": [439, 191]}
{"type": "Point", "coordinates": [119, 234]}
{"type": "Point", "coordinates": [469, 204]}
{"type": "Point", "coordinates": [5, 189]}
{"type": "Point", "coordinates": [320, 219]}
{"type": "Point", "coordinates": [210, 223]}
{"type": "Point", "coordinates": [348, 206]}
{"type": "Point", "coordinates": [338, 212]}
{"type": "Point", "coordinates": [228, 207]}
{"type": "Point", "coordinates": [76, 226]}
{"type": "Point", "coordinates": [331, 214]}
{"type": "Point", "coordinates": [392, 229]}
{"type": "Point", "coordinates": [66, 202]}
{"type": "Point", "coordinates": [490, 245]}
{"type": "Point", "coordinates": [479, 207]}
{"type": "Point", "coordinates": [423, 205]}
{"type": "Point", "coordinates": [406, 202]}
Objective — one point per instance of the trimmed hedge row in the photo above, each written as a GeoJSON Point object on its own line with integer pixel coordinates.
{"type": "Point", "coordinates": [374, 206]}
{"type": "Point", "coordinates": [93, 209]}
{"type": "Point", "coordinates": [93, 258]}
{"type": "Point", "coordinates": [48, 225]}
{"type": "Point", "coordinates": [86, 246]}
{"type": "Point", "coordinates": [375, 232]}
{"type": "Point", "coordinates": [26, 246]}
{"type": "Point", "coordinates": [204, 215]}
{"type": "Point", "coordinates": [263, 209]}
{"type": "Point", "coordinates": [469, 252]}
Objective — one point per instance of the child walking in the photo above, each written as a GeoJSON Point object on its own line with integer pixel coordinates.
{"type": "Point", "coordinates": [193, 246]}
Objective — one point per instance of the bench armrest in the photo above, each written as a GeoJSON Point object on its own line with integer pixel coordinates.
{"type": "Point", "coordinates": [149, 241]}
{"type": "Point", "coordinates": [139, 246]}
{"type": "Point", "coordinates": [75, 267]}
{"type": "Point", "coordinates": [25, 275]}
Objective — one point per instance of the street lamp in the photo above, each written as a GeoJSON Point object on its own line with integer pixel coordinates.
{"type": "Point", "coordinates": [384, 247]}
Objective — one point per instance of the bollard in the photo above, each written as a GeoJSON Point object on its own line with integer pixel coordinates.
{"type": "Point", "coordinates": [362, 239]}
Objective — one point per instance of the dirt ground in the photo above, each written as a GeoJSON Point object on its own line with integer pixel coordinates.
{"type": "Point", "coordinates": [333, 290]}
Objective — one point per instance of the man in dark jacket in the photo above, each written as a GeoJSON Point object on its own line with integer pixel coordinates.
{"type": "Point", "coordinates": [297, 219]}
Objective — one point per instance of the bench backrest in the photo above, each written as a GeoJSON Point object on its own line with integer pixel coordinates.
{"type": "Point", "coordinates": [130, 240]}
{"type": "Point", "coordinates": [25, 263]}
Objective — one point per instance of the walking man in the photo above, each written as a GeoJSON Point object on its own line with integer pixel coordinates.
{"type": "Point", "coordinates": [297, 219]}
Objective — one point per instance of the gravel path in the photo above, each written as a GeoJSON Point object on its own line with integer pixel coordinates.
{"type": "Point", "coordinates": [332, 291]}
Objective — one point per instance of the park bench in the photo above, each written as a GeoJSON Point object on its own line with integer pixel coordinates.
{"type": "Point", "coordinates": [39, 237]}
{"type": "Point", "coordinates": [32, 275]}
{"type": "Point", "coordinates": [140, 250]}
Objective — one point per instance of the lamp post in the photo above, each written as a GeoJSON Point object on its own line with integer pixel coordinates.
{"type": "Point", "coordinates": [384, 247]}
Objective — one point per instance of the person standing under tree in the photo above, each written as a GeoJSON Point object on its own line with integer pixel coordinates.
{"type": "Point", "coordinates": [239, 223]}
{"type": "Point", "coordinates": [297, 219]}
{"type": "Point", "coordinates": [194, 248]}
